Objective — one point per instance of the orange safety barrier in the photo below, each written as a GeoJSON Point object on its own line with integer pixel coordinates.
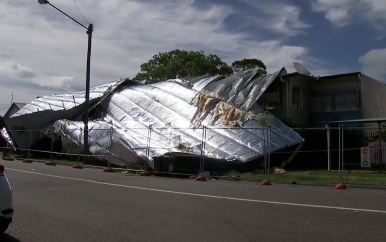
{"type": "Point", "coordinates": [77, 166]}
{"type": "Point", "coordinates": [340, 186]}
{"type": "Point", "coordinates": [108, 169]}
{"type": "Point", "coordinates": [144, 173]}
{"type": "Point", "coordinates": [266, 182]}
{"type": "Point", "coordinates": [200, 178]}
{"type": "Point", "coordinates": [8, 158]}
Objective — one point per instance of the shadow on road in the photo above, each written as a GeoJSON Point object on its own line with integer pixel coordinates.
{"type": "Point", "coordinates": [8, 238]}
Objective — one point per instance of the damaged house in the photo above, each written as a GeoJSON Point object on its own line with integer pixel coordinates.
{"type": "Point", "coordinates": [176, 125]}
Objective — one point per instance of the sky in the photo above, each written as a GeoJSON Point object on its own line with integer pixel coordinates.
{"type": "Point", "coordinates": [43, 52]}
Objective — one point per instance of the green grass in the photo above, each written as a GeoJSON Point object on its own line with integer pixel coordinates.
{"type": "Point", "coordinates": [348, 177]}
{"type": "Point", "coordinates": [69, 160]}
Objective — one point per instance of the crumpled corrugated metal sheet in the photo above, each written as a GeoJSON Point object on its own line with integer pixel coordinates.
{"type": "Point", "coordinates": [6, 137]}
{"type": "Point", "coordinates": [43, 111]}
{"type": "Point", "coordinates": [59, 102]}
{"type": "Point", "coordinates": [106, 142]}
{"type": "Point", "coordinates": [142, 122]}
{"type": "Point", "coordinates": [243, 89]}
{"type": "Point", "coordinates": [157, 120]}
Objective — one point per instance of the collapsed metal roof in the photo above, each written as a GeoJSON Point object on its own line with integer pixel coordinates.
{"type": "Point", "coordinates": [211, 116]}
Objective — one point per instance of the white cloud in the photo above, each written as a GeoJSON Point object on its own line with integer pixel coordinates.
{"type": "Point", "coordinates": [50, 49]}
{"type": "Point", "coordinates": [272, 53]}
{"type": "Point", "coordinates": [374, 64]}
{"type": "Point", "coordinates": [377, 15]}
{"type": "Point", "coordinates": [63, 83]}
{"type": "Point", "coordinates": [344, 12]}
{"type": "Point", "coordinates": [279, 17]}
{"type": "Point", "coordinates": [336, 12]}
{"type": "Point", "coordinates": [11, 69]}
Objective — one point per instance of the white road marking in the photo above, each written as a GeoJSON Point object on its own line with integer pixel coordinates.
{"type": "Point", "coordinates": [207, 196]}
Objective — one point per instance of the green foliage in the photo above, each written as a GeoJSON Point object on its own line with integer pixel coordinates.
{"type": "Point", "coordinates": [261, 119]}
{"type": "Point", "coordinates": [245, 64]}
{"type": "Point", "coordinates": [314, 176]}
{"type": "Point", "coordinates": [181, 63]}
{"type": "Point", "coordinates": [382, 134]}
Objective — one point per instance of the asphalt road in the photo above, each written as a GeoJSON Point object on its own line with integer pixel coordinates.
{"type": "Point", "coordinates": [60, 203]}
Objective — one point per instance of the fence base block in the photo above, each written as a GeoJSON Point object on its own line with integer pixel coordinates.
{"type": "Point", "coordinates": [266, 182]}
{"type": "Point", "coordinates": [8, 158]}
{"type": "Point", "coordinates": [108, 169]}
{"type": "Point", "coordinates": [200, 178]}
{"type": "Point", "coordinates": [77, 166]}
{"type": "Point", "coordinates": [144, 173]}
{"type": "Point", "coordinates": [340, 186]}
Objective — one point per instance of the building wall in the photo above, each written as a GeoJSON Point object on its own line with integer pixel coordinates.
{"type": "Point", "coordinates": [295, 99]}
{"type": "Point", "coordinates": [374, 98]}
{"type": "Point", "coordinates": [311, 102]}
{"type": "Point", "coordinates": [13, 109]}
{"type": "Point", "coordinates": [320, 119]}
{"type": "Point", "coordinates": [336, 98]}
{"type": "Point", "coordinates": [300, 100]}
{"type": "Point", "coordinates": [280, 110]}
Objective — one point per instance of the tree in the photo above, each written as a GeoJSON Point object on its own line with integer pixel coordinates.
{"type": "Point", "coordinates": [245, 64]}
{"type": "Point", "coordinates": [181, 63]}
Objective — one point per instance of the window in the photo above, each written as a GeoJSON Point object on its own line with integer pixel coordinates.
{"type": "Point", "coordinates": [297, 98]}
{"type": "Point", "coordinates": [335, 103]}
{"type": "Point", "coordinates": [272, 100]}
{"type": "Point", "coordinates": [322, 104]}
{"type": "Point", "coordinates": [346, 102]}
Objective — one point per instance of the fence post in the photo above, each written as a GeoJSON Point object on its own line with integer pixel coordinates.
{"type": "Point", "coordinates": [145, 172]}
{"type": "Point", "coordinates": [203, 143]}
{"type": "Point", "coordinates": [111, 146]}
{"type": "Point", "coordinates": [29, 144]}
{"type": "Point", "coordinates": [269, 147]}
{"type": "Point", "coordinates": [341, 152]}
{"type": "Point", "coordinates": [380, 155]}
{"type": "Point", "coordinates": [79, 142]}
{"type": "Point", "coordinates": [264, 152]}
{"type": "Point", "coordinates": [51, 163]}
{"type": "Point", "coordinates": [148, 146]}
{"type": "Point", "coordinates": [13, 145]}
{"type": "Point", "coordinates": [328, 147]}
{"type": "Point", "coordinates": [52, 144]}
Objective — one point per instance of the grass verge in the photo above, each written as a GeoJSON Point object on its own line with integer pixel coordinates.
{"type": "Point", "coordinates": [349, 177]}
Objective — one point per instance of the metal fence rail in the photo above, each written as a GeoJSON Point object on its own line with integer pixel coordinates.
{"type": "Point", "coordinates": [323, 148]}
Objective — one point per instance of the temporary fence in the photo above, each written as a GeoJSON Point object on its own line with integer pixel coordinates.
{"type": "Point", "coordinates": [352, 148]}
{"type": "Point", "coordinates": [143, 141]}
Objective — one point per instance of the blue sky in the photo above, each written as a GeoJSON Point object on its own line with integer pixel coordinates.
{"type": "Point", "coordinates": [44, 52]}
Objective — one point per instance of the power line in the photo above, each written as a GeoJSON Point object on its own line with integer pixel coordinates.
{"type": "Point", "coordinates": [80, 12]}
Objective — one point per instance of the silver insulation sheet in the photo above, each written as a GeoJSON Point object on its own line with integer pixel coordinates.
{"type": "Point", "coordinates": [138, 123]}
{"type": "Point", "coordinates": [41, 113]}
{"type": "Point", "coordinates": [158, 118]}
